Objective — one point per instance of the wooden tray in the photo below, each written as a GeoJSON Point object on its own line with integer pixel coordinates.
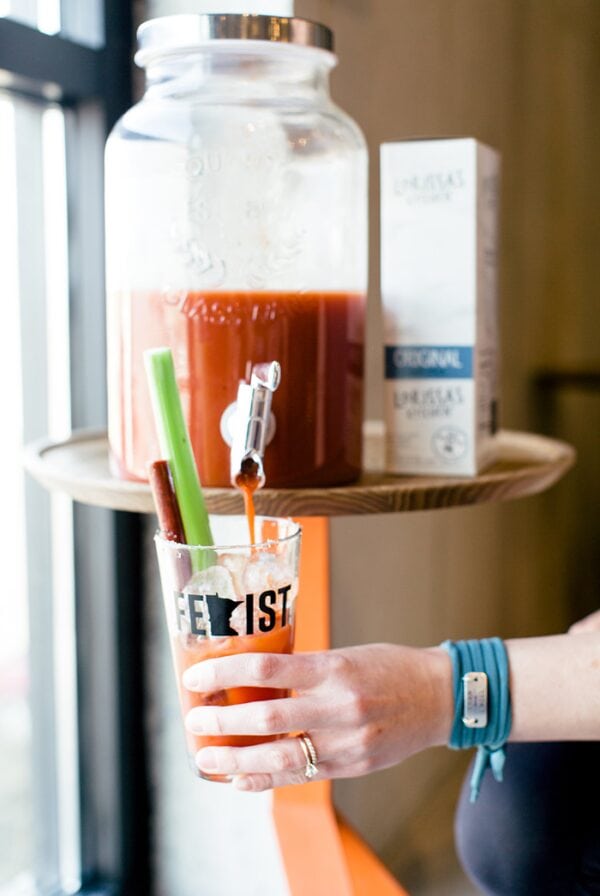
{"type": "Point", "coordinates": [527, 464]}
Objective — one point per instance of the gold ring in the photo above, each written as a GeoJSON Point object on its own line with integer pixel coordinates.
{"type": "Point", "coordinates": [310, 755]}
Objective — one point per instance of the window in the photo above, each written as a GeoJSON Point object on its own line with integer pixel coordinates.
{"type": "Point", "coordinates": [15, 723]}
{"type": "Point", "coordinates": [70, 779]}
{"type": "Point", "coordinates": [34, 367]}
{"type": "Point", "coordinates": [41, 14]}
{"type": "Point", "coordinates": [81, 21]}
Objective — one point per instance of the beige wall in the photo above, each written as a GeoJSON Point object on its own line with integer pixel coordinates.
{"type": "Point", "coordinates": [523, 76]}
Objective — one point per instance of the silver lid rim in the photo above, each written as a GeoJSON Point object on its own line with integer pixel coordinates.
{"type": "Point", "coordinates": [170, 34]}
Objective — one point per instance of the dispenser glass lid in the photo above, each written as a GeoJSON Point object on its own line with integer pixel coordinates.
{"type": "Point", "coordinates": [181, 32]}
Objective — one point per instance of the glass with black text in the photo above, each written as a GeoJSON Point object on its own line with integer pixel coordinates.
{"type": "Point", "coordinates": [229, 599]}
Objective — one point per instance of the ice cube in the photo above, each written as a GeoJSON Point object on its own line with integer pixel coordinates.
{"type": "Point", "coordinates": [214, 580]}
{"type": "Point", "coordinates": [267, 571]}
{"type": "Point", "coordinates": [236, 564]}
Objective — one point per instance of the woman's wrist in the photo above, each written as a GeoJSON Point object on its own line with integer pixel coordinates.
{"type": "Point", "coordinates": [438, 670]}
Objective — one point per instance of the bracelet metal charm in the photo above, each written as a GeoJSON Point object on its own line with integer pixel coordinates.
{"type": "Point", "coordinates": [475, 699]}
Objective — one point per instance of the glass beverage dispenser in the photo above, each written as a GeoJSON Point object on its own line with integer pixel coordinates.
{"type": "Point", "coordinates": [236, 234]}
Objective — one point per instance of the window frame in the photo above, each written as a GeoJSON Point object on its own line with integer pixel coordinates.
{"type": "Point", "coordinates": [93, 85]}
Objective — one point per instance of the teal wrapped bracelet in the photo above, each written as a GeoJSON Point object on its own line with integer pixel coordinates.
{"type": "Point", "coordinates": [482, 710]}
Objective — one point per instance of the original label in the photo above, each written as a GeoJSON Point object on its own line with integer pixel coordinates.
{"type": "Point", "coordinates": [428, 361]}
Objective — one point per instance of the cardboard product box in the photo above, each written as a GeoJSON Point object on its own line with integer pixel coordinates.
{"type": "Point", "coordinates": [439, 234]}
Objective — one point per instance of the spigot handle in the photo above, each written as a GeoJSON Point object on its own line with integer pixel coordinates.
{"type": "Point", "coordinates": [266, 375]}
{"type": "Point", "coordinates": [251, 422]}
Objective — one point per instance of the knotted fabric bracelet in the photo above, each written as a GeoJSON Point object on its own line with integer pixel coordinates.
{"type": "Point", "coordinates": [487, 656]}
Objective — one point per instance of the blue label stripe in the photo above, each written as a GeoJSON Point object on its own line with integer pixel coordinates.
{"type": "Point", "coordinates": [417, 362]}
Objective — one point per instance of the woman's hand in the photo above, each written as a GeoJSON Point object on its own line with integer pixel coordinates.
{"type": "Point", "coordinates": [364, 708]}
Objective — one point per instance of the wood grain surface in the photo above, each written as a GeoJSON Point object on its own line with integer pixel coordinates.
{"type": "Point", "coordinates": [527, 464]}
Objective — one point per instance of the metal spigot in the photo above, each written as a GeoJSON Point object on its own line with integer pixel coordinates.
{"type": "Point", "coordinates": [248, 425]}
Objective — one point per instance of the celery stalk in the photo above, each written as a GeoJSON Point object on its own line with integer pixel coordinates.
{"type": "Point", "coordinates": [175, 445]}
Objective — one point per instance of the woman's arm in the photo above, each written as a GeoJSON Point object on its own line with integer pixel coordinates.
{"type": "Point", "coordinates": [370, 707]}
{"type": "Point", "coordinates": [555, 687]}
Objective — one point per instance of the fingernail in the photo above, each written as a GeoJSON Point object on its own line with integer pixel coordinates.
{"type": "Point", "coordinates": [207, 760]}
{"type": "Point", "coordinates": [190, 680]}
{"type": "Point", "coordinates": [194, 721]}
{"type": "Point", "coordinates": [242, 783]}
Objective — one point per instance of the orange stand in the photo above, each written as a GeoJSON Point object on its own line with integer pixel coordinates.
{"type": "Point", "coordinates": [321, 853]}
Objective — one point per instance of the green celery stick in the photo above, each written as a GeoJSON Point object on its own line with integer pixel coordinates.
{"type": "Point", "coordinates": [175, 445]}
